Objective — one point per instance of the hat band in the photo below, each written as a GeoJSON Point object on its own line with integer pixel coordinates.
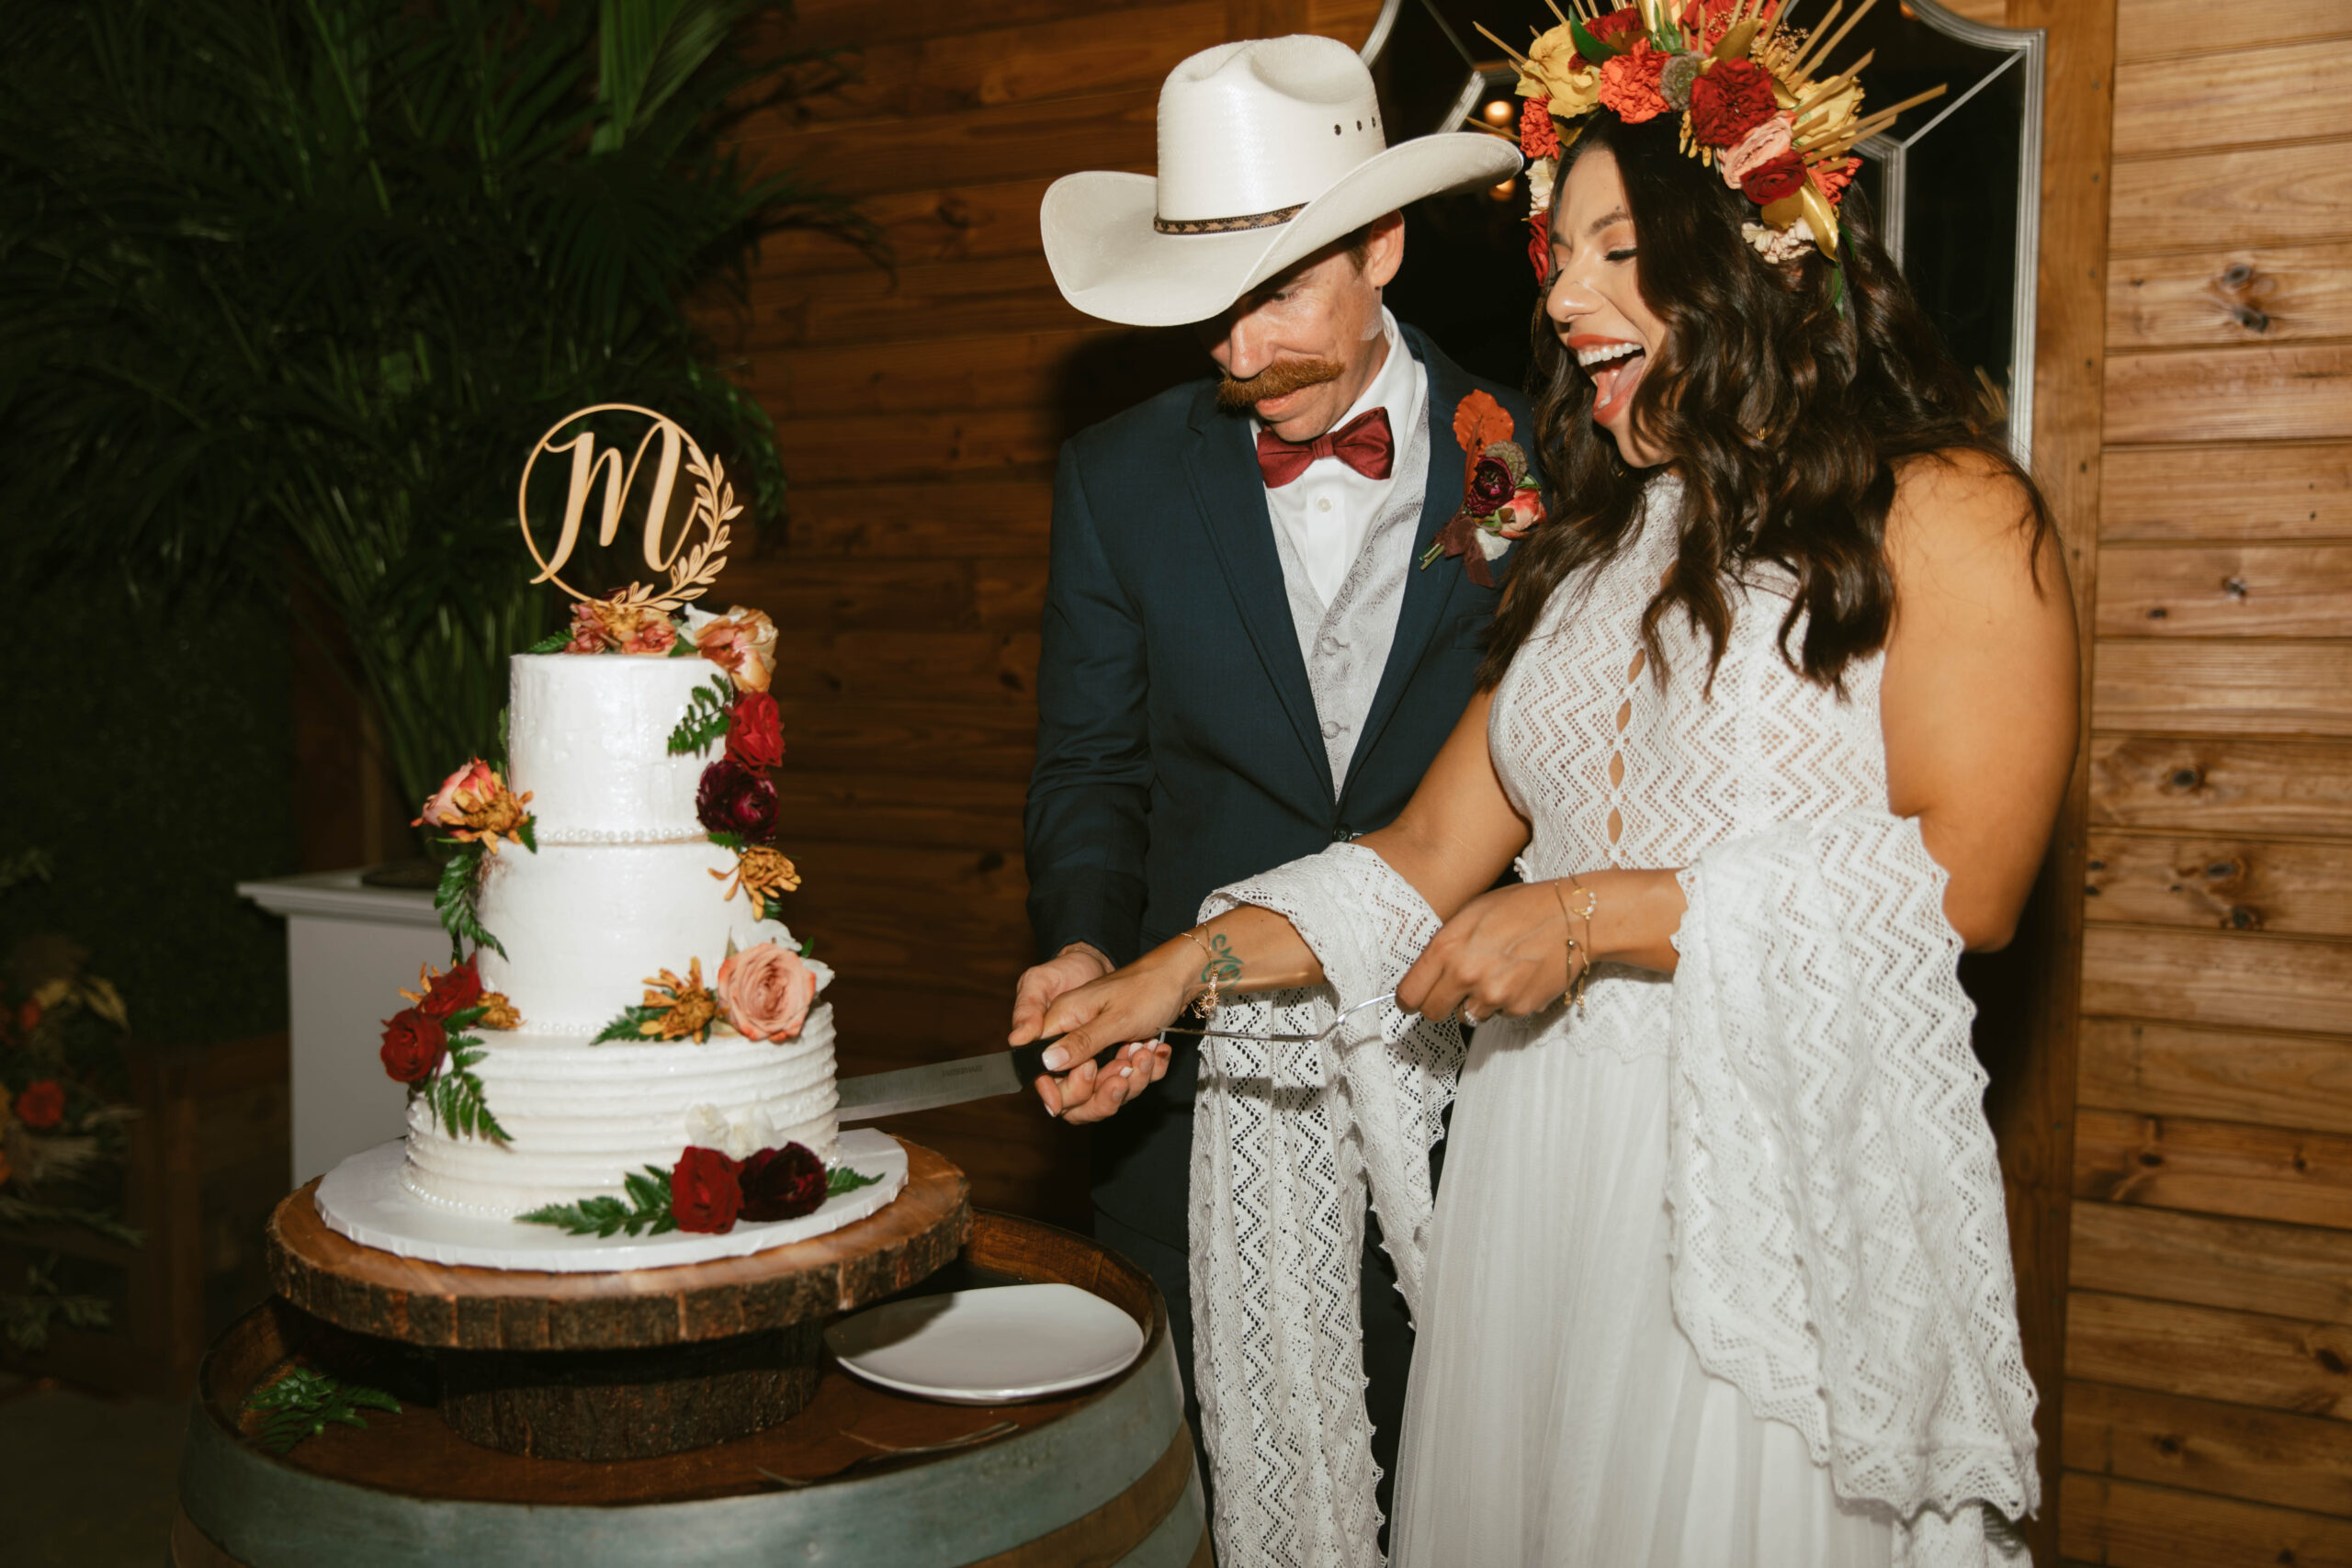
{"type": "Point", "coordinates": [1225, 225]}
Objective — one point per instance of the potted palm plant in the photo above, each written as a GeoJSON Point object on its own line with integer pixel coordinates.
{"type": "Point", "coordinates": [288, 286]}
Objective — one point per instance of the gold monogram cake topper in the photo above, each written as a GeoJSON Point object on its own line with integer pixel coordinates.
{"type": "Point", "coordinates": [692, 561]}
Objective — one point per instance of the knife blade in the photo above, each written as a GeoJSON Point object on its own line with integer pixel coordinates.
{"type": "Point", "coordinates": [935, 1084]}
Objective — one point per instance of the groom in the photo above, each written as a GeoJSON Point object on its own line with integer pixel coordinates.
{"type": "Point", "coordinates": [1242, 661]}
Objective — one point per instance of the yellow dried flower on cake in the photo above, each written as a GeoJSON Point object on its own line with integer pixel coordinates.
{"type": "Point", "coordinates": [761, 873]}
{"type": "Point", "coordinates": [497, 1012]}
{"type": "Point", "coordinates": [679, 1009]}
{"type": "Point", "coordinates": [475, 805]}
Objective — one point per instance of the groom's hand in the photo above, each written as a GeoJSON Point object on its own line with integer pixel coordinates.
{"type": "Point", "coordinates": [1041, 986]}
{"type": "Point", "coordinates": [1127, 1009]}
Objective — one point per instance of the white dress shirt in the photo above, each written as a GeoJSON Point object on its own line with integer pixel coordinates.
{"type": "Point", "coordinates": [1325, 512]}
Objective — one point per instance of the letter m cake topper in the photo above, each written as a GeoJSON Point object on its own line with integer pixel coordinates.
{"type": "Point", "coordinates": [692, 561]}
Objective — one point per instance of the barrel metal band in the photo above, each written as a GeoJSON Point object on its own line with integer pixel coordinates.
{"type": "Point", "coordinates": [1225, 225]}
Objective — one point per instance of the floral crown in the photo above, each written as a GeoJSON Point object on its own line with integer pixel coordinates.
{"type": "Point", "coordinates": [1755, 103]}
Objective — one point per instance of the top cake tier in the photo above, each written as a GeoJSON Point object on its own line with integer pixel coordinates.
{"type": "Point", "coordinates": [589, 737]}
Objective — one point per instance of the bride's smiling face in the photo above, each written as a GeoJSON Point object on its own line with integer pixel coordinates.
{"type": "Point", "coordinates": [1595, 297]}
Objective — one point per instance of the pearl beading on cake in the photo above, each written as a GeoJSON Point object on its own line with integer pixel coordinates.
{"type": "Point", "coordinates": [620, 835]}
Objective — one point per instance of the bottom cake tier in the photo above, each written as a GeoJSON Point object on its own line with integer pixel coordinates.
{"type": "Point", "coordinates": [579, 1117]}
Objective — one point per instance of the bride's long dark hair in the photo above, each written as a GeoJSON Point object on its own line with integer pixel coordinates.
{"type": "Point", "coordinates": [1784, 418]}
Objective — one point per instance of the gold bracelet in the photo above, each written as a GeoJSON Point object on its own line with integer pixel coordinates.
{"type": "Point", "coordinates": [1212, 975]}
{"type": "Point", "coordinates": [1570, 993]}
{"type": "Point", "coordinates": [1578, 979]}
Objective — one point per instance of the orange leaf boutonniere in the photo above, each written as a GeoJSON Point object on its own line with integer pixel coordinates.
{"type": "Point", "coordinates": [1500, 498]}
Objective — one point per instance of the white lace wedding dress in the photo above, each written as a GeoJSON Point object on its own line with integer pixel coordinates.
{"type": "Point", "coordinates": [1718, 1275]}
{"type": "Point", "coordinates": [1556, 1415]}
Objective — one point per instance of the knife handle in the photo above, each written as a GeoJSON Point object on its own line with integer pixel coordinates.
{"type": "Point", "coordinates": [1029, 1061]}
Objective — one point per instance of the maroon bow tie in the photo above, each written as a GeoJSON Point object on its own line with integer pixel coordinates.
{"type": "Point", "coordinates": [1363, 444]}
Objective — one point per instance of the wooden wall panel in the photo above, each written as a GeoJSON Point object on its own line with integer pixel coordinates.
{"type": "Point", "coordinates": [919, 408]}
{"type": "Point", "coordinates": [2147, 29]}
{"type": "Point", "coordinates": [2268, 688]}
{"type": "Point", "coordinates": [2244, 981]}
{"type": "Point", "coordinates": [2221, 785]}
{"type": "Point", "coordinates": [2296, 1461]}
{"type": "Point", "coordinates": [2283, 294]}
{"type": "Point", "coordinates": [2282, 493]}
{"type": "Point", "coordinates": [2207, 1409]}
{"type": "Point", "coordinates": [2280, 93]}
{"type": "Point", "coordinates": [2212, 201]}
{"type": "Point", "coordinates": [2130, 1526]}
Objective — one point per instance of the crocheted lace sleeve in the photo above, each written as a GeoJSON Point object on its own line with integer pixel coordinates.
{"type": "Point", "coordinates": [1840, 1246]}
{"type": "Point", "coordinates": [1286, 1141]}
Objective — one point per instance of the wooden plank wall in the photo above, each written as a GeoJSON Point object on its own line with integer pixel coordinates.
{"type": "Point", "coordinates": [2208, 1406]}
{"type": "Point", "coordinates": [919, 414]}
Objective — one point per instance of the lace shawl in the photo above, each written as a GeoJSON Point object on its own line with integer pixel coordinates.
{"type": "Point", "coordinates": [1840, 1247]}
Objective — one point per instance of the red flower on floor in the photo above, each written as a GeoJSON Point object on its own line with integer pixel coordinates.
{"type": "Point", "coordinates": [41, 1106]}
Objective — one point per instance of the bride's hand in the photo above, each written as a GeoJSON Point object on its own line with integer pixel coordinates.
{"type": "Point", "coordinates": [1128, 1007]}
{"type": "Point", "coordinates": [1505, 953]}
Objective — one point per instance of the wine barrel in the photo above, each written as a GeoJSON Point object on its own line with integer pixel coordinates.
{"type": "Point", "coordinates": [1102, 1476]}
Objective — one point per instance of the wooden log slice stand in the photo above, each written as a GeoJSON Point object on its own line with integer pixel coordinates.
{"type": "Point", "coordinates": [862, 1477]}
{"type": "Point", "coordinates": [629, 1365]}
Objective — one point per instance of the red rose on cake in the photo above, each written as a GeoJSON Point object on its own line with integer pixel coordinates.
{"type": "Point", "coordinates": [42, 1105]}
{"type": "Point", "coordinates": [414, 1046]}
{"type": "Point", "coordinates": [755, 731]}
{"type": "Point", "coordinates": [706, 1193]}
{"type": "Point", "coordinates": [733, 798]}
{"type": "Point", "coordinates": [783, 1184]}
{"type": "Point", "coordinates": [453, 990]}
{"type": "Point", "coordinates": [766, 991]}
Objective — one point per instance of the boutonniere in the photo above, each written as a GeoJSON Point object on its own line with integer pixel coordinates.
{"type": "Point", "coordinates": [1500, 500]}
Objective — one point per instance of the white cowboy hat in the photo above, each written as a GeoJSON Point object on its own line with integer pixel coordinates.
{"type": "Point", "coordinates": [1270, 148]}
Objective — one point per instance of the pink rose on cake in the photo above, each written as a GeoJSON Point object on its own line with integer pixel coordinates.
{"type": "Point", "coordinates": [766, 991]}
{"type": "Point", "coordinates": [742, 643]}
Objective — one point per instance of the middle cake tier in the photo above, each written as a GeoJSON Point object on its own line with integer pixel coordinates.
{"type": "Point", "coordinates": [585, 926]}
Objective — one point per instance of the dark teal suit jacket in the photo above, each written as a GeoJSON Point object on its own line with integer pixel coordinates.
{"type": "Point", "coordinates": [1178, 745]}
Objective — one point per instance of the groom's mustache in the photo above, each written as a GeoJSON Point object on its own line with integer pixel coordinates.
{"type": "Point", "coordinates": [1280, 378]}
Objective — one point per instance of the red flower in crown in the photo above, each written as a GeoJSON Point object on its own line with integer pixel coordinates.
{"type": "Point", "coordinates": [1783, 176]}
{"type": "Point", "coordinates": [1538, 137]}
{"type": "Point", "coordinates": [1730, 100]}
{"type": "Point", "coordinates": [706, 1191]}
{"type": "Point", "coordinates": [1616, 31]}
{"type": "Point", "coordinates": [1629, 84]}
{"type": "Point", "coordinates": [1539, 245]}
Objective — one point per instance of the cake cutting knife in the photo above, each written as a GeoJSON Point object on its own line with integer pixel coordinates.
{"type": "Point", "coordinates": [927, 1087]}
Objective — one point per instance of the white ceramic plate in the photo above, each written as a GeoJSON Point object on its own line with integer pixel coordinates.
{"type": "Point", "coordinates": [988, 1347]}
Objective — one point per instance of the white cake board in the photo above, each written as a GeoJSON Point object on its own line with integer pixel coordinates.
{"type": "Point", "coordinates": [362, 1198]}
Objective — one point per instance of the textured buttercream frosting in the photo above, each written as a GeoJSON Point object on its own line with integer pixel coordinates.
{"type": "Point", "coordinates": [622, 887]}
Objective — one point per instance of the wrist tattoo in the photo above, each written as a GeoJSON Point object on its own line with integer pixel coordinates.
{"type": "Point", "coordinates": [1223, 965]}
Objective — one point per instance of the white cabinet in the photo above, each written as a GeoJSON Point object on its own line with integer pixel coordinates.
{"type": "Point", "coordinates": [349, 949]}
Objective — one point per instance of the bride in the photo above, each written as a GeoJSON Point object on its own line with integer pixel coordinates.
{"type": "Point", "coordinates": [1776, 720]}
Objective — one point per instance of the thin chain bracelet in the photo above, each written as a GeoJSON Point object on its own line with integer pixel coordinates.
{"type": "Point", "coordinates": [1578, 978]}
{"type": "Point", "coordinates": [1211, 975]}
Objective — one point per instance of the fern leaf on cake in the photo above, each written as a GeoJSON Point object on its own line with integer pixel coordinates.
{"type": "Point", "coordinates": [455, 1095]}
{"type": "Point", "coordinates": [625, 1027]}
{"type": "Point", "coordinates": [706, 720]}
{"type": "Point", "coordinates": [648, 1210]}
{"type": "Point", "coordinates": [454, 901]}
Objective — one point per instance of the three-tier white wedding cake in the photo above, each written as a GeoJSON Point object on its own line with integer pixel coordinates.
{"type": "Point", "coordinates": [625, 883]}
